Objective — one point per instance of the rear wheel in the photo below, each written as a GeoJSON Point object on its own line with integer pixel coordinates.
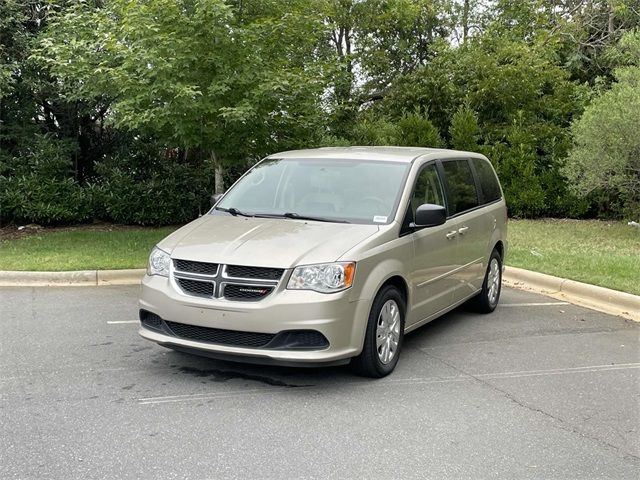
{"type": "Point", "coordinates": [487, 300]}
{"type": "Point", "coordinates": [384, 335]}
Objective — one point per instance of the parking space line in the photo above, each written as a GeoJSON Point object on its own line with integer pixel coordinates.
{"type": "Point", "coordinates": [399, 381]}
{"type": "Point", "coordinates": [558, 371]}
{"type": "Point", "coordinates": [205, 396]}
{"type": "Point", "coordinates": [539, 304]}
{"type": "Point", "coordinates": [118, 322]}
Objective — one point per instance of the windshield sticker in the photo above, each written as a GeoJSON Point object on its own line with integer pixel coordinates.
{"type": "Point", "coordinates": [380, 219]}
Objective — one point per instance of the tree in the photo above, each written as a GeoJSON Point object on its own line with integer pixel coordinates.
{"type": "Point", "coordinates": [370, 44]}
{"type": "Point", "coordinates": [228, 79]}
{"type": "Point", "coordinates": [464, 130]}
{"type": "Point", "coordinates": [606, 152]}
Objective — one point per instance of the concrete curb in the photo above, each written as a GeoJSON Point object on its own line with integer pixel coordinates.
{"type": "Point", "coordinates": [73, 279]}
{"type": "Point", "coordinates": [597, 298]}
{"type": "Point", "coordinates": [590, 296]}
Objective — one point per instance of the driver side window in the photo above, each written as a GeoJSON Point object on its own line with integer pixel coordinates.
{"type": "Point", "coordinates": [427, 190]}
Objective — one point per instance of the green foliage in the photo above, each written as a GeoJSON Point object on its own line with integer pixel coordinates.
{"type": "Point", "coordinates": [606, 153]}
{"type": "Point", "coordinates": [464, 130]}
{"type": "Point", "coordinates": [149, 189]}
{"type": "Point", "coordinates": [510, 100]}
{"type": "Point", "coordinates": [374, 131]}
{"type": "Point", "coordinates": [416, 130]}
{"type": "Point", "coordinates": [198, 74]}
{"type": "Point", "coordinates": [119, 109]}
{"type": "Point", "coordinates": [142, 183]}
{"type": "Point", "coordinates": [38, 185]}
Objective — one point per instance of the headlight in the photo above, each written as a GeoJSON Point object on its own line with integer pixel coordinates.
{"type": "Point", "coordinates": [159, 262]}
{"type": "Point", "coordinates": [323, 278]}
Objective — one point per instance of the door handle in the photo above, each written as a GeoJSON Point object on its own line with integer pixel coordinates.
{"type": "Point", "coordinates": [451, 234]}
{"type": "Point", "coordinates": [462, 230]}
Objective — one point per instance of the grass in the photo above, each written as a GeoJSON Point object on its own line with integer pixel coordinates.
{"type": "Point", "coordinates": [81, 249]}
{"type": "Point", "coordinates": [600, 253]}
{"type": "Point", "coordinates": [595, 252]}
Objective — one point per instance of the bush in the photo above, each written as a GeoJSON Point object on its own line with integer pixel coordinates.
{"type": "Point", "coordinates": [150, 186]}
{"type": "Point", "coordinates": [37, 185]}
{"type": "Point", "coordinates": [144, 183]}
{"type": "Point", "coordinates": [605, 159]}
{"type": "Point", "coordinates": [416, 130]}
{"type": "Point", "coordinates": [371, 130]}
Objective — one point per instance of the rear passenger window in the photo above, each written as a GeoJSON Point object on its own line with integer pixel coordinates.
{"type": "Point", "coordinates": [488, 181]}
{"type": "Point", "coordinates": [462, 187]}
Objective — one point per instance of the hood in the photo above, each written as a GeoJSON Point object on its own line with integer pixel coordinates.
{"type": "Point", "coordinates": [263, 242]}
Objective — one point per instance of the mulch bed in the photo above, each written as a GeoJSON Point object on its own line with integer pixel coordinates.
{"type": "Point", "coordinates": [13, 232]}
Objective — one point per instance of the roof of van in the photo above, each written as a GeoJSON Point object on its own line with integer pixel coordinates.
{"type": "Point", "coordinates": [397, 154]}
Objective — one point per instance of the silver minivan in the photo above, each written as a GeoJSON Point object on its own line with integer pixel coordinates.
{"type": "Point", "coordinates": [329, 256]}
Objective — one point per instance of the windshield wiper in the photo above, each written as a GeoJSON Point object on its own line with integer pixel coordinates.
{"type": "Point", "coordinates": [297, 216]}
{"type": "Point", "coordinates": [234, 211]}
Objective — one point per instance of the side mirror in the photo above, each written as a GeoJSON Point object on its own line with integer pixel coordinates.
{"type": "Point", "coordinates": [215, 198]}
{"type": "Point", "coordinates": [430, 215]}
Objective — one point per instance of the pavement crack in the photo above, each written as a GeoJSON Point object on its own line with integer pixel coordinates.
{"type": "Point", "coordinates": [563, 424]}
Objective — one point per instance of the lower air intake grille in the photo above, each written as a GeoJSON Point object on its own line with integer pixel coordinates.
{"type": "Point", "coordinates": [195, 287]}
{"type": "Point", "coordinates": [220, 336]}
{"type": "Point", "coordinates": [150, 320]}
{"type": "Point", "coordinates": [246, 293]}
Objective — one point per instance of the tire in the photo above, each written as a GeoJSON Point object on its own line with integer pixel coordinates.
{"type": "Point", "coordinates": [487, 300]}
{"type": "Point", "coordinates": [385, 326]}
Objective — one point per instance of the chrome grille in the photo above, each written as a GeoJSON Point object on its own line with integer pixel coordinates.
{"type": "Point", "coordinates": [237, 283]}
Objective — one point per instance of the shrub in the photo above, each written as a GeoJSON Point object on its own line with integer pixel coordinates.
{"type": "Point", "coordinates": [37, 184]}
{"type": "Point", "coordinates": [150, 187]}
{"type": "Point", "coordinates": [605, 159]}
{"type": "Point", "coordinates": [416, 130]}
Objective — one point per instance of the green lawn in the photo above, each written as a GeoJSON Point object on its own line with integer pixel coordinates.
{"type": "Point", "coordinates": [81, 249]}
{"type": "Point", "coordinates": [600, 253]}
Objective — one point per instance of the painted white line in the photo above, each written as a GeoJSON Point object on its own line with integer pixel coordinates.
{"type": "Point", "coordinates": [557, 371]}
{"type": "Point", "coordinates": [118, 322]}
{"type": "Point", "coordinates": [541, 304]}
{"type": "Point", "coordinates": [520, 374]}
{"type": "Point", "coordinates": [400, 381]}
{"type": "Point", "coordinates": [207, 396]}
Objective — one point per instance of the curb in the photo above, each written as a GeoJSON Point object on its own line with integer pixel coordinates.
{"type": "Point", "coordinates": [591, 296]}
{"type": "Point", "coordinates": [597, 298]}
{"type": "Point", "coordinates": [77, 278]}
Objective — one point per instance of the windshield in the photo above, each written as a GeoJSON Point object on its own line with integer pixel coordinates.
{"type": "Point", "coordinates": [354, 191]}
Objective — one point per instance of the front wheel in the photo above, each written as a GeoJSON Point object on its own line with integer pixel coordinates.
{"type": "Point", "coordinates": [487, 300]}
{"type": "Point", "coordinates": [384, 335]}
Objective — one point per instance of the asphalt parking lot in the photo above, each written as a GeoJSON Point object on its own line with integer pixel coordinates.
{"type": "Point", "coordinates": [531, 391]}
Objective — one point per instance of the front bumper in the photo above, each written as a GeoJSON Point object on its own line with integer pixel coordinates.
{"type": "Point", "coordinates": [340, 319]}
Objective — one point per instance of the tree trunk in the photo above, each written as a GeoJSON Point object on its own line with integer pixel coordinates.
{"type": "Point", "coordinates": [465, 21]}
{"type": "Point", "coordinates": [610, 23]}
{"type": "Point", "coordinates": [218, 183]}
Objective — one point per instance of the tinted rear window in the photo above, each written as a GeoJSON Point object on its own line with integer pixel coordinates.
{"type": "Point", "coordinates": [488, 181]}
{"type": "Point", "coordinates": [462, 187]}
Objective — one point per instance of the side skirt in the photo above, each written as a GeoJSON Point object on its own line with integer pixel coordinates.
{"type": "Point", "coordinates": [439, 313]}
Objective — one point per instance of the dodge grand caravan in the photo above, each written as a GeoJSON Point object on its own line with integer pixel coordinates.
{"type": "Point", "coordinates": [330, 256]}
